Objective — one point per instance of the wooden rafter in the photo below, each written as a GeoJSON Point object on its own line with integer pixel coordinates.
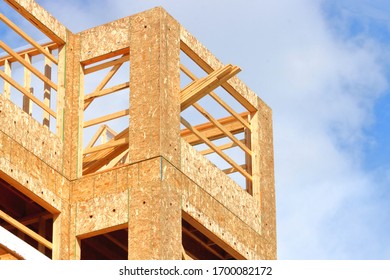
{"type": "Point", "coordinates": [216, 149]}
{"type": "Point", "coordinates": [211, 132]}
{"type": "Point", "coordinates": [103, 83]}
{"type": "Point", "coordinates": [206, 67]}
{"type": "Point", "coordinates": [222, 128]}
{"type": "Point", "coordinates": [222, 147]}
{"type": "Point", "coordinates": [107, 91]}
{"type": "Point", "coordinates": [95, 161]}
{"type": "Point", "coordinates": [27, 93]}
{"type": "Point", "coordinates": [105, 65]}
{"type": "Point", "coordinates": [30, 51]}
{"type": "Point", "coordinates": [199, 88]}
{"type": "Point", "coordinates": [28, 38]}
{"type": "Point", "coordinates": [217, 98]}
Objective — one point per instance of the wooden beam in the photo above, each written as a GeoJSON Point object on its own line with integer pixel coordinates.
{"type": "Point", "coordinates": [104, 92]}
{"type": "Point", "coordinates": [222, 147]}
{"type": "Point", "coordinates": [196, 90]}
{"type": "Point", "coordinates": [211, 131]}
{"type": "Point", "coordinates": [206, 67]}
{"type": "Point", "coordinates": [222, 128]}
{"type": "Point", "coordinates": [216, 149]}
{"type": "Point", "coordinates": [27, 65]}
{"type": "Point", "coordinates": [109, 144]}
{"type": "Point", "coordinates": [232, 169]}
{"type": "Point", "coordinates": [25, 92]}
{"type": "Point", "coordinates": [26, 230]}
{"type": "Point", "coordinates": [105, 118]}
{"type": "Point", "coordinates": [28, 38]}
{"type": "Point", "coordinates": [30, 51]}
{"type": "Point", "coordinates": [96, 136]}
{"type": "Point", "coordinates": [217, 98]}
{"type": "Point", "coordinates": [103, 83]}
{"type": "Point", "coordinates": [105, 65]}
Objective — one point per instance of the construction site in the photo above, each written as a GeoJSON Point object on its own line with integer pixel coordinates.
{"type": "Point", "coordinates": [128, 141]}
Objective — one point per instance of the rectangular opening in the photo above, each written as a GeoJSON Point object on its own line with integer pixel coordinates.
{"type": "Point", "coordinates": [107, 246]}
{"type": "Point", "coordinates": [25, 218]}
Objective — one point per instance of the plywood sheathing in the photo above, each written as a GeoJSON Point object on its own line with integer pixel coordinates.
{"type": "Point", "coordinates": [30, 134]}
{"type": "Point", "coordinates": [104, 40]}
{"type": "Point", "coordinates": [154, 86]}
{"type": "Point", "coordinates": [73, 110]}
{"type": "Point", "coordinates": [221, 187]}
{"type": "Point", "coordinates": [154, 215]}
{"type": "Point", "coordinates": [38, 16]}
{"type": "Point", "coordinates": [208, 62]}
{"type": "Point", "coordinates": [263, 174]}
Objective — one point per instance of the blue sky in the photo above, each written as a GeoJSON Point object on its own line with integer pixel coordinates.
{"type": "Point", "coordinates": [323, 67]}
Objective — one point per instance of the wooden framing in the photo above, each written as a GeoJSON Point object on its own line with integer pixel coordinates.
{"type": "Point", "coordinates": [148, 177]}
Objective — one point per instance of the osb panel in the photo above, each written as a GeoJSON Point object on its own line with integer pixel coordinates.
{"type": "Point", "coordinates": [154, 221]}
{"type": "Point", "coordinates": [200, 50]}
{"type": "Point", "coordinates": [154, 86]}
{"type": "Point", "coordinates": [41, 18]}
{"type": "Point", "coordinates": [62, 233]}
{"type": "Point", "coordinates": [221, 187]}
{"type": "Point", "coordinates": [104, 39]}
{"type": "Point", "coordinates": [224, 225]}
{"type": "Point", "coordinates": [104, 183]}
{"type": "Point", "coordinates": [35, 185]}
{"type": "Point", "coordinates": [263, 171]}
{"type": "Point", "coordinates": [30, 134]}
{"type": "Point", "coordinates": [102, 212]}
{"type": "Point", "coordinates": [73, 110]}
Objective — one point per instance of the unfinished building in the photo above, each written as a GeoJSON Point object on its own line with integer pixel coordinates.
{"type": "Point", "coordinates": [129, 140]}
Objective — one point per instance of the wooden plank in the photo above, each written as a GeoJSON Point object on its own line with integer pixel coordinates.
{"type": "Point", "coordinates": [107, 64]}
{"type": "Point", "coordinates": [27, 104]}
{"type": "Point", "coordinates": [211, 131]}
{"type": "Point", "coordinates": [116, 160]}
{"type": "Point", "coordinates": [232, 169]}
{"type": "Point", "coordinates": [27, 65]}
{"type": "Point", "coordinates": [109, 144]}
{"type": "Point", "coordinates": [25, 92]}
{"type": "Point", "coordinates": [248, 159]}
{"type": "Point", "coordinates": [222, 128]}
{"type": "Point", "coordinates": [201, 87]}
{"type": "Point", "coordinates": [7, 86]}
{"type": "Point", "coordinates": [206, 67]}
{"type": "Point", "coordinates": [107, 91]}
{"type": "Point", "coordinates": [105, 118]}
{"type": "Point", "coordinates": [216, 149]}
{"type": "Point", "coordinates": [96, 136]}
{"type": "Point", "coordinates": [103, 83]}
{"type": "Point", "coordinates": [25, 230]}
{"type": "Point", "coordinates": [28, 38]}
{"type": "Point", "coordinates": [222, 147]}
{"type": "Point", "coordinates": [217, 98]}
{"type": "Point", "coordinates": [30, 51]}
{"type": "Point", "coordinates": [47, 92]}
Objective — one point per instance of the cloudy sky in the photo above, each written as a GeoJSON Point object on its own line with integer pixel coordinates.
{"type": "Point", "coordinates": [323, 67]}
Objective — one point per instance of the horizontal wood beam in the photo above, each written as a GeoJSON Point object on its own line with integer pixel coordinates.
{"type": "Point", "coordinates": [26, 230]}
{"type": "Point", "coordinates": [28, 65]}
{"type": "Point", "coordinates": [222, 128]}
{"type": "Point", "coordinates": [211, 131]}
{"type": "Point", "coordinates": [30, 52]}
{"type": "Point", "coordinates": [199, 88]}
{"type": "Point", "coordinates": [107, 91]}
{"type": "Point", "coordinates": [222, 147]}
{"type": "Point", "coordinates": [106, 118]}
{"type": "Point", "coordinates": [216, 149]}
{"type": "Point", "coordinates": [109, 144]}
{"type": "Point", "coordinates": [107, 64]}
{"type": "Point", "coordinates": [219, 100]}
{"type": "Point", "coordinates": [27, 93]}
